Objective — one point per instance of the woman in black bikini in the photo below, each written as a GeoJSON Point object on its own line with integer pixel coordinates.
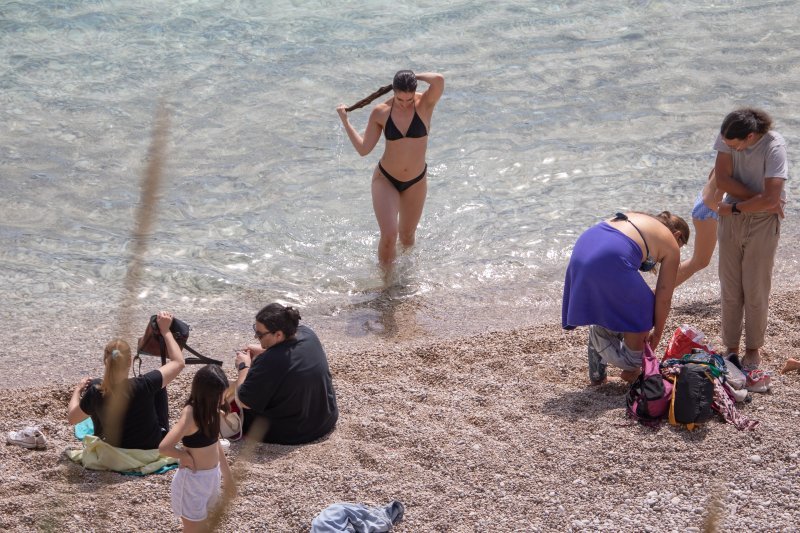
{"type": "Point", "coordinates": [399, 183]}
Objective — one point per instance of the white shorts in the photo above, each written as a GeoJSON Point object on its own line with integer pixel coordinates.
{"type": "Point", "coordinates": [194, 493]}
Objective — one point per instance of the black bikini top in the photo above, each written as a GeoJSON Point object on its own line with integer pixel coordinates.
{"type": "Point", "coordinates": [649, 263]}
{"type": "Point", "coordinates": [198, 440]}
{"type": "Point", "coordinates": [416, 129]}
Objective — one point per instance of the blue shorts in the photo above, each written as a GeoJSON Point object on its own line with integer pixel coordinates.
{"type": "Point", "coordinates": [700, 211]}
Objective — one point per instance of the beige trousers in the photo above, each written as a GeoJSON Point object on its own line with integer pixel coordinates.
{"type": "Point", "coordinates": [747, 245]}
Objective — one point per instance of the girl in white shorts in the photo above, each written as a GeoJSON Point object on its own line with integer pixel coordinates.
{"type": "Point", "coordinates": [196, 485]}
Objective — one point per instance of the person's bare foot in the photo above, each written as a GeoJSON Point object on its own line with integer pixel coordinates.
{"type": "Point", "coordinates": [629, 376]}
{"type": "Point", "coordinates": [598, 383]}
{"type": "Point", "coordinates": [752, 358]}
{"type": "Point", "coordinates": [791, 364]}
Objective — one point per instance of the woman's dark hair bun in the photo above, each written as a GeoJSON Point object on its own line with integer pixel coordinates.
{"type": "Point", "coordinates": [278, 317]}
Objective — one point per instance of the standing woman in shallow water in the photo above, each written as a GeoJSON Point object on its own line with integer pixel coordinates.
{"type": "Point", "coordinates": [399, 182]}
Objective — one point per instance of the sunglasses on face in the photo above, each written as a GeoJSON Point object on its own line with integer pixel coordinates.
{"type": "Point", "coordinates": [258, 334]}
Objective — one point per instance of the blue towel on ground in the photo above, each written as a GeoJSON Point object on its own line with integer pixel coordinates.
{"type": "Point", "coordinates": [84, 428]}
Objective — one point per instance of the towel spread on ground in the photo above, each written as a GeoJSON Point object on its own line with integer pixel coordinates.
{"type": "Point", "coordinates": [603, 285]}
{"type": "Point", "coordinates": [357, 518]}
{"type": "Point", "coordinates": [99, 455]}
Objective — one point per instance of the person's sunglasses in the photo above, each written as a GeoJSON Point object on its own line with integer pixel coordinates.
{"type": "Point", "coordinates": [259, 335]}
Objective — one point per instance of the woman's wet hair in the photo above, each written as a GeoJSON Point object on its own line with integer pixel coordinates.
{"type": "Point", "coordinates": [404, 81]}
{"type": "Point", "coordinates": [208, 386]}
{"type": "Point", "coordinates": [276, 317]}
{"type": "Point", "coordinates": [117, 361]}
{"type": "Point", "coordinates": [674, 223]}
{"type": "Point", "coordinates": [742, 122]}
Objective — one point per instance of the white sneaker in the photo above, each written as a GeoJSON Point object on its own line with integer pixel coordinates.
{"type": "Point", "coordinates": [31, 437]}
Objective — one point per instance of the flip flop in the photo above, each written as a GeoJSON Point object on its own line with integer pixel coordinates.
{"type": "Point", "coordinates": [31, 437]}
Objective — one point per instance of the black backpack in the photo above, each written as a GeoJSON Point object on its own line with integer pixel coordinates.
{"type": "Point", "coordinates": [692, 396]}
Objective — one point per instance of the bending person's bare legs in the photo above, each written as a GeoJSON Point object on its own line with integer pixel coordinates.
{"type": "Point", "coordinates": [705, 240]}
{"type": "Point", "coordinates": [634, 342]}
{"type": "Point", "coordinates": [386, 203]}
{"type": "Point", "coordinates": [622, 350]}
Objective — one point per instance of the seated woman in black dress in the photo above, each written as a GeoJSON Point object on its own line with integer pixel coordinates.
{"type": "Point", "coordinates": [284, 383]}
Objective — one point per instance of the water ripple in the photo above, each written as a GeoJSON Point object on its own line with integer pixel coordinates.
{"type": "Point", "coordinates": [554, 117]}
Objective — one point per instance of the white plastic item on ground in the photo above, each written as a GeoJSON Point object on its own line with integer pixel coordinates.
{"type": "Point", "coordinates": [735, 377]}
{"type": "Point", "coordinates": [758, 381]}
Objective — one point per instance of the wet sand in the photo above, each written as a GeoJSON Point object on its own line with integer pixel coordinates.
{"type": "Point", "coordinates": [496, 431]}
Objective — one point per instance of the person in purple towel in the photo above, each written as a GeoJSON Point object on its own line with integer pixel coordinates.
{"type": "Point", "coordinates": [604, 290]}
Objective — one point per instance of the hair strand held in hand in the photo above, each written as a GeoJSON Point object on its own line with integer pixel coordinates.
{"type": "Point", "coordinates": [365, 101]}
{"type": "Point", "coordinates": [404, 81]}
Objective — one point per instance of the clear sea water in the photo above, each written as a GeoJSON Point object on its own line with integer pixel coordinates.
{"type": "Point", "coordinates": [555, 115]}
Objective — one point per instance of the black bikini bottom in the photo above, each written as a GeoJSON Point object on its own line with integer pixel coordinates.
{"type": "Point", "coordinates": [402, 185]}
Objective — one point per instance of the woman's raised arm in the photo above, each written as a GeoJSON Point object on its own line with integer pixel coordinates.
{"type": "Point", "coordinates": [173, 367]}
{"type": "Point", "coordinates": [74, 412]}
{"type": "Point", "coordinates": [435, 89]}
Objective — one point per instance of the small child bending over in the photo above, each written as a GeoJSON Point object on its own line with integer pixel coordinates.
{"type": "Point", "coordinates": [196, 484]}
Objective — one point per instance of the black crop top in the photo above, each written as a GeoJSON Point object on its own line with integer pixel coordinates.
{"type": "Point", "coordinates": [416, 129]}
{"type": "Point", "coordinates": [198, 440]}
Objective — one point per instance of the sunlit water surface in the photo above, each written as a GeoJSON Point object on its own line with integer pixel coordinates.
{"type": "Point", "coordinates": [554, 117]}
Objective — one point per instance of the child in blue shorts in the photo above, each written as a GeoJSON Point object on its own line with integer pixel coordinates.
{"type": "Point", "coordinates": [704, 220]}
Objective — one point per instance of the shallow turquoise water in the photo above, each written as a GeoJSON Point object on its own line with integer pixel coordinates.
{"type": "Point", "coordinates": [553, 118]}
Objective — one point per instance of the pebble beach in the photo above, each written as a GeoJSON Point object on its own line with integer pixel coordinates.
{"type": "Point", "coordinates": [496, 431]}
{"type": "Point", "coordinates": [459, 393]}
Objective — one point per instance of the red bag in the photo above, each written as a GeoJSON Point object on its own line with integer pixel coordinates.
{"type": "Point", "coordinates": [684, 340]}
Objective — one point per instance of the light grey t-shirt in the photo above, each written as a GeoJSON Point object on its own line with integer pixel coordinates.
{"type": "Point", "coordinates": [765, 159]}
